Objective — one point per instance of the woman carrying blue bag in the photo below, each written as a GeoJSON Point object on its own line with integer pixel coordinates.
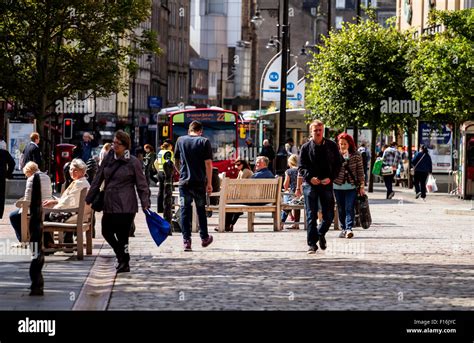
{"type": "Point", "coordinates": [122, 174]}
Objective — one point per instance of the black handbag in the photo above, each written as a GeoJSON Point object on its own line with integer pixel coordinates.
{"type": "Point", "coordinates": [99, 200]}
{"type": "Point", "coordinates": [363, 217]}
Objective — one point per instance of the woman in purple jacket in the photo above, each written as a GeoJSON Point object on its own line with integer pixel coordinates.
{"type": "Point", "coordinates": [122, 173]}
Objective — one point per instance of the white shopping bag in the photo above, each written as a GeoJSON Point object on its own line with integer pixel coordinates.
{"type": "Point", "coordinates": [431, 186]}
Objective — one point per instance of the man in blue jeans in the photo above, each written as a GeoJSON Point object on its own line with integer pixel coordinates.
{"type": "Point", "coordinates": [319, 164]}
{"type": "Point", "coordinates": [193, 156]}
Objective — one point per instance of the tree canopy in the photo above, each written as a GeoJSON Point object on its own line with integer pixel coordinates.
{"type": "Point", "coordinates": [441, 68]}
{"type": "Point", "coordinates": [356, 69]}
{"type": "Point", "coordinates": [51, 49]}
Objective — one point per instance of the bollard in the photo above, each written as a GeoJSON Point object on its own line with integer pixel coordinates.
{"type": "Point", "coordinates": [168, 168]}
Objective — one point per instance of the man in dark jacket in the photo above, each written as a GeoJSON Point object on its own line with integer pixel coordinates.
{"type": "Point", "coordinates": [269, 152]}
{"type": "Point", "coordinates": [7, 165]}
{"type": "Point", "coordinates": [423, 166]}
{"type": "Point", "coordinates": [84, 148]}
{"type": "Point", "coordinates": [319, 164]}
{"type": "Point", "coordinates": [32, 151]}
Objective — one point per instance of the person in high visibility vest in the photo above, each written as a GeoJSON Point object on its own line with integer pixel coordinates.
{"type": "Point", "coordinates": [165, 154]}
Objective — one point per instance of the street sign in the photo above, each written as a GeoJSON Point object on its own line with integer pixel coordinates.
{"type": "Point", "coordinates": [155, 102]}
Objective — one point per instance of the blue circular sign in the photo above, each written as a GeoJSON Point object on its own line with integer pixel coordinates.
{"type": "Point", "coordinates": [299, 96]}
{"type": "Point", "coordinates": [290, 86]}
{"type": "Point", "coordinates": [274, 76]}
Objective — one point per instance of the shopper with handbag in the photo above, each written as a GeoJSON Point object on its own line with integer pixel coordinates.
{"type": "Point", "coordinates": [391, 158]}
{"type": "Point", "coordinates": [348, 184]}
{"type": "Point", "coordinates": [122, 174]}
{"type": "Point", "coordinates": [422, 168]}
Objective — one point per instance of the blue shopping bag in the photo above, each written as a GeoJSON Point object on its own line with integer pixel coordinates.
{"type": "Point", "coordinates": [159, 228]}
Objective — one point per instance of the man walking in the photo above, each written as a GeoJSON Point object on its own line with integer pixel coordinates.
{"type": "Point", "coordinates": [391, 157]}
{"type": "Point", "coordinates": [193, 155]}
{"type": "Point", "coordinates": [84, 148]}
{"type": "Point", "coordinates": [319, 164]}
{"type": "Point", "coordinates": [32, 152]}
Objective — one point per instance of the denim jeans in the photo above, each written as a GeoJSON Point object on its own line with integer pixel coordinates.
{"type": "Point", "coordinates": [311, 196]}
{"type": "Point", "coordinates": [345, 207]}
{"type": "Point", "coordinates": [187, 194]}
{"type": "Point", "coordinates": [15, 220]}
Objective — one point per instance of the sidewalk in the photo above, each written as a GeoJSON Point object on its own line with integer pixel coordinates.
{"type": "Point", "coordinates": [414, 257]}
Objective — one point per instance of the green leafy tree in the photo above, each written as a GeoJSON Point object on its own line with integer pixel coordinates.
{"type": "Point", "coordinates": [441, 68]}
{"type": "Point", "coordinates": [356, 69]}
{"type": "Point", "coordinates": [53, 49]}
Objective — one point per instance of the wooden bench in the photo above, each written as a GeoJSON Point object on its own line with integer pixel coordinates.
{"type": "Point", "coordinates": [237, 195]}
{"type": "Point", "coordinates": [82, 225]}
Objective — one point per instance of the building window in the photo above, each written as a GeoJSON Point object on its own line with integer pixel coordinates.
{"type": "Point", "coordinates": [339, 21]}
{"type": "Point", "coordinates": [215, 7]}
{"type": "Point", "coordinates": [367, 3]}
{"type": "Point", "coordinates": [382, 19]}
{"type": "Point", "coordinates": [340, 3]}
{"type": "Point", "coordinates": [468, 4]}
{"type": "Point", "coordinates": [181, 14]}
{"type": "Point", "coordinates": [172, 14]}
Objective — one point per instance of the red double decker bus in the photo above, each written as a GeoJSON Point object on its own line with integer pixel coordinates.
{"type": "Point", "coordinates": [220, 127]}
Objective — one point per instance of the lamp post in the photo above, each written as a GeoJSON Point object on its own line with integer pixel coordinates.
{"type": "Point", "coordinates": [257, 20]}
{"type": "Point", "coordinates": [282, 155]}
{"type": "Point", "coordinates": [132, 127]}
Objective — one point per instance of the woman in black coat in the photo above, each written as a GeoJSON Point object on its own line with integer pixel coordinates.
{"type": "Point", "coordinates": [7, 165]}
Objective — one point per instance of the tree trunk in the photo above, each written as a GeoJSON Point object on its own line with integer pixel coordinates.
{"type": "Point", "coordinates": [372, 158]}
{"type": "Point", "coordinates": [356, 134]}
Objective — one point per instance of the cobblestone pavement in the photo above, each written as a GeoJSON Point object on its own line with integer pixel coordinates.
{"type": "Point", "coordinates": [414, 257]}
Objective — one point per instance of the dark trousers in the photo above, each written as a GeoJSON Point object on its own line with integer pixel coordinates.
{"type": "Point", "coordinates": [161, 192]}
{"type": "Point", "coordinates": [420, 183]}
{"type": "Point", "coordinates": [388, 180]}
{"type": "Point", "coordinates": [231, 218]}
{"type": "Point", "coordinates": [115, 229]}
{"type": "Point", "coordinates": [188, 193]}
{"type": "Point", "coordinates": [326, 198]}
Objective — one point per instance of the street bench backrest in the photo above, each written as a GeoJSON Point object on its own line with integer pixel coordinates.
{"type": "Point", "coordinates": [238, 191]}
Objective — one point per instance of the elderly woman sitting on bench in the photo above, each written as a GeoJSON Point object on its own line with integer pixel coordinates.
{"type": "Point", "coordinates": [70, 197]}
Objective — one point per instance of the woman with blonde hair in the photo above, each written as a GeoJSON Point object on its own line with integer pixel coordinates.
{"type": "Point", "coordinates": [289, 185]}
{"type": "Point", "coordinates": [103, 152]}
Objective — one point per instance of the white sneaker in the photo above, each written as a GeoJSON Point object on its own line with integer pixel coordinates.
{"type": "Point", "coordinates": [342, 234]}
{"type": "Point", "coordinates": [349, 234]}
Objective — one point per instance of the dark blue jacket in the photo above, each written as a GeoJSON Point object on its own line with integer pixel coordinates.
{"type": "Point", "coordinates": [425, 164]}
{"type": "Point", "coordinates": [32, 152]}
{"type": "Point", "coordinates": [264, 173]}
